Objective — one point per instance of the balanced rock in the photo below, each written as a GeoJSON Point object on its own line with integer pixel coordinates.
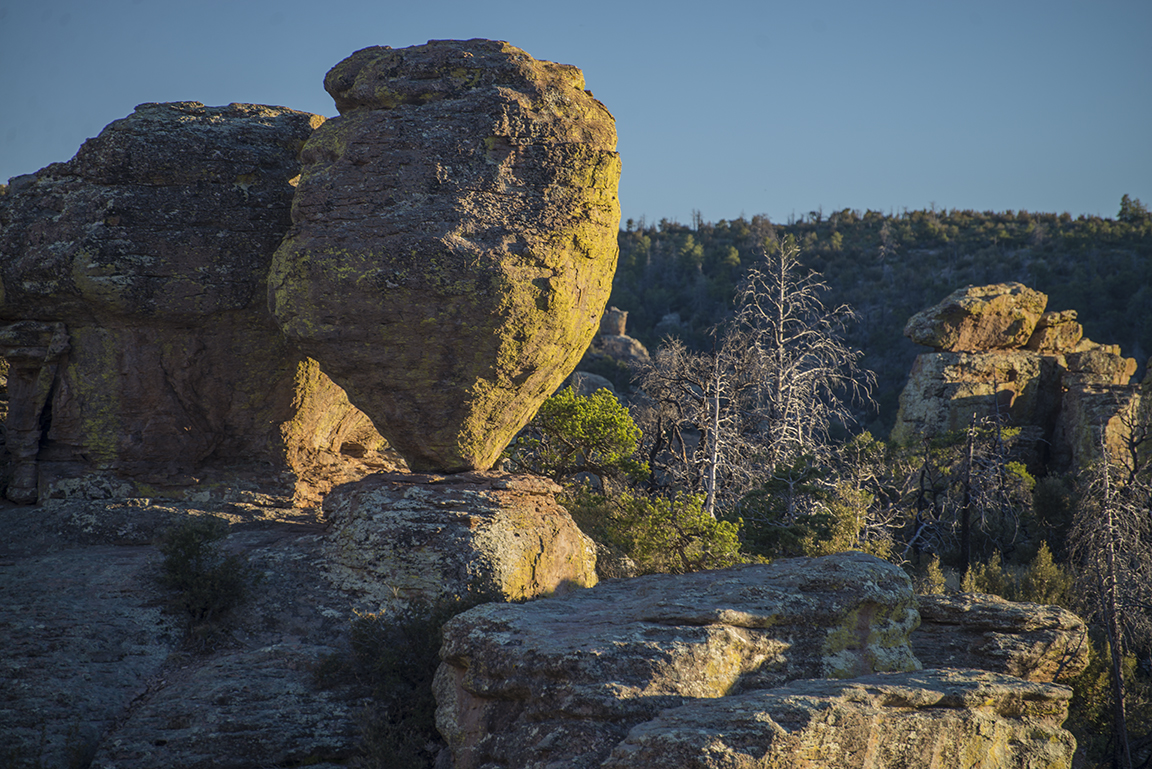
{"type": "Point", "coordinates": [453, 242]}
{"type": "Point", "coordinates": [1025, 640]}
{"type": "Point", "coordinates": [563, 680]}
{"type": "Point", "coordinates": [931, 718]}
{"type": "Point", "coordinates": [396, 539]}
{"type": "Point", "coordinates": [140, 267]}
{"type": "Point", "coordinates": [1000, 316]}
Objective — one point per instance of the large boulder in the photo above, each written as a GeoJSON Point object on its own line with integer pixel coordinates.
{"type": "Point", "coordinates": [1000, 316]}
{"type": "Point", "coordinates": [563, 680]}
{"type": "Point", "coordinates": [399, 539]}
{"type": "Point", "coordinates": [1025, 640]}
{"type": "Point", "coordinates": [133, 289]}
{"type": "Point", "coordinates": [932, 718]}
{"type": "Point", "coordinates": [453, 242]}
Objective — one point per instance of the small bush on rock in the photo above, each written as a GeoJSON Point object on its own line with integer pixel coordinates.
{"type": "Point", "coordinates": [206, 584]}
{"type": "Point", "coordinates": [394, 656]}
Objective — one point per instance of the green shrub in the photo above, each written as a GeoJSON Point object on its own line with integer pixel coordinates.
{"type": "Point", "coordinates": [573, 434]}
{"type": "Point", "coordinates": [1045, 582]}
{"type": "Point", "coordinates": [929, 579]}
{"type": "Point", "coordinates": [206, 585]}
{"type": "Point", "coordinates": [660, 535]}
{"type": "Point", "coordinates": [394, 656]}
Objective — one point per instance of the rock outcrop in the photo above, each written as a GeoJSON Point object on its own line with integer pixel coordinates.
{"type": "Point", "coordinates": [613, 356]}
{"type": "Point", "coordinates": [998, 353]}
{"type": "Point", "coordinates": [395, 539]}
{"type": "Point", "coordinates": [453, 242]}
{"type": "Point", "coordinates": [731, 668]}
{"type": "Point", "coordinates": [1037, 643]}
{"type": "Point", "coordinates": [563, 680]}
{"type": "Point", "coordinates": [134, 293]}
{"type": "Point", "coordinates": [96, 673]}
{"type": "Point", "coordinates": [932, 718]}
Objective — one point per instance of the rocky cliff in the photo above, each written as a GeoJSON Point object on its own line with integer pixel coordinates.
{"type": "Point", "coordinates": [998, 353]}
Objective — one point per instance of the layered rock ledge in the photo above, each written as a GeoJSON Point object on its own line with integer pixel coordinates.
{"type": "Point", "coordinates": [563, 680]}
{"type": "Point", "coordinates": [931, 718]}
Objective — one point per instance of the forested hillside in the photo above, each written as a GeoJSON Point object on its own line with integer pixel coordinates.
{"type": "Point", "coordinates": [680, 280]}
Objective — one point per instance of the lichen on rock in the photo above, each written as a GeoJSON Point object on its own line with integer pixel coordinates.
{"type": "Point", "coordinates": [453, 242]}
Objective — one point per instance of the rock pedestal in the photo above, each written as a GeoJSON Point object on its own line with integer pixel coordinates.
{"type": "Point", "coordinates": [396, 539]}
{"type": "Point", "coordinates": [453, 242]}
{"type": "Point", "coordinates": [999, 354]}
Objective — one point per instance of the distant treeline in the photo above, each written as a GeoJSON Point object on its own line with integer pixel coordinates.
{"type": "Point", "coordinates": [675, 279]}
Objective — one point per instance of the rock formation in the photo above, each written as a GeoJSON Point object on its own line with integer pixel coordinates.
{"type": "Point", "coordinates": [585, 668]}
{"type": "Point", "coordinates": [729, 668]}
{"type": "Point", "coordinates": [613, 357]}
{"type": "Point", "coordinates": [998, 353]}
{"type": "Point", "coordinates": [453, 242]}
{"type": "Point", "coordinates": [401, 538]}
{"type": "Point", "coordinates": [133, 288]}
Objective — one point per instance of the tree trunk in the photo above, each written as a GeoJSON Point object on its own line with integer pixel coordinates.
{"type": "Point", "coordinates": [1112, 619]}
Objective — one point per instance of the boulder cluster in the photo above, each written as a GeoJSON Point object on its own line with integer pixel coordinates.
{"type": "Point", "coordinates": [208, 298]}
{"type": "Point", "coordinates": [998, 353]}
{"type": "Point", "coordinates": [237, 311]}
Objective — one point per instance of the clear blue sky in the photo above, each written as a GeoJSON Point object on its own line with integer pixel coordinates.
{"type": "Point", "coordinates": [725, 107]}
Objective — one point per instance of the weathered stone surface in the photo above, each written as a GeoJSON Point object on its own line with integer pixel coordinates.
{"type": "Point", "coordinates": [147, 254]}
{"type": "Point", "coordinates": [1056, 331]}
{"type": "Point", "coordinates": [91, 658]}
{"type": "Point", "coordinates": [932, 718]}
{"type": "Point", "coordinates": [453, 242]}
{"type": "Point", "coordinates": [400, 538]}
{"type": "Point", "coordinates": [562, 680]}
{"type": "Point", "coordinates": [583, 383]}
{"type": "Point", "coordinates": [1097, 415]}
{"type": "Point", "coordinates": [976, 318]}
{"type": "Point", "coordinates": [236, 710]}
{"type": "Point", "coordinates": [945, 389]}
{"type": "Point", "coordinates": [614, 322]}
{"type": "Point", "coordinates": [1025, 640]}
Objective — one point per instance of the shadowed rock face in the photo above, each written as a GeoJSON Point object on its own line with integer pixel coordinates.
{"type": "Point", "coordinates": [134, 297]}
{"type": "Point", "coordinates": [453, 242]}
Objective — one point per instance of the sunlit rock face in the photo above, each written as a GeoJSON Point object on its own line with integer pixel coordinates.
{"type": "Point", "coordinates": [998, 354]}
{"type": "Point", "coordinates": [453, 242]}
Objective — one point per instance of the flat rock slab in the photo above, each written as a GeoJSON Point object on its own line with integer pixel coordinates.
{"type": "Point", "coordinates": [931, 718]}
{"type": "Point", "coordinates": [564, 679]}
{"type": "Point", "coordinates": [95, 673]}
{"type": "Point", "coordinates": [82, 636]}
